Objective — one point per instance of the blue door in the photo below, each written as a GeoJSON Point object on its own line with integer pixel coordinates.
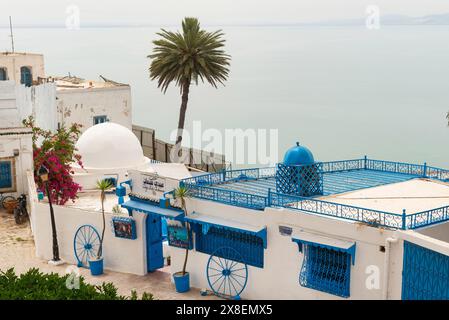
{"type": "Point", "coordinates": [155, 258]}
{"type": "Point", "coordinates": [425, 274]}
{"type": "Point", "coordinates": [5, 175]}
{"type": "Point", "coordinates": [26, 77]}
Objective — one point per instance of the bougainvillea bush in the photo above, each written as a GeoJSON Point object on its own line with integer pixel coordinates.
{"type": "Point", "coordinates": [57, 152]}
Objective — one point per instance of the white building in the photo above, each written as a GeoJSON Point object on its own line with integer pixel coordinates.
{"type": "Point", "coordinates": [89, 102]}
{"type": "Point", "coordinates": [21, 67]}
{"type": "Point", "coordinates": [356, 229]}
{"type": "Point", "coordinates": [109, 151]}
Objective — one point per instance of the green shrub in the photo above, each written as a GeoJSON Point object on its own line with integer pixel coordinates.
{"type": "Point", "coordinates": [35, 285]}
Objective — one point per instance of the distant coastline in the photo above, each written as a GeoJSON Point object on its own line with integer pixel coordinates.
{"type": "Point", "coordinates": [385, 20]}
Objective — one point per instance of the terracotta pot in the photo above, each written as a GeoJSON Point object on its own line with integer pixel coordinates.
{"type": "Point", "coordinates": [10, 205]}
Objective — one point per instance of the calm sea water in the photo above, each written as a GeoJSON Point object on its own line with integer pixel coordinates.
{"type": "Point", "coordinates": [342, 91]}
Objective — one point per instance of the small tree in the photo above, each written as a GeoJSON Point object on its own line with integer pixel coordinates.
{"type": "Point", "coordinates": [182, 193]}
{"type": "Point", "coordinates": [57, 152]}
{"type": "Point", "coordinates": [103, 186]}
{"type": "Point", "coordinates": [185, 57]}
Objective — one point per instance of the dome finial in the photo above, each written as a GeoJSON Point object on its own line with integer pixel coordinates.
{"type": "Point", "coordinates": [297, 143]}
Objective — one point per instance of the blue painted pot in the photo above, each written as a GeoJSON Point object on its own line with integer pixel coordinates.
{"type": "Point", "coordinates": [96, 267]}
{"type": "Point", "coordinates": [182, 282]}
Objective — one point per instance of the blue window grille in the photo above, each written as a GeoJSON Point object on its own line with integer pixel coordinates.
{"type": "Point", "coordinates": [6, 181]}
{"type": "Point", "coordinates": [100, 119]}
{"type": "Point", "coordinates": [250, 247]}
{"type": "Point", "coordinates": [326, 270]}
{"type": "Point", "coordinates": [26, 77]}
{"type": "Point", "coordinates": [425, 274]}
{"type": "Point", "coordinates": [3, 75]}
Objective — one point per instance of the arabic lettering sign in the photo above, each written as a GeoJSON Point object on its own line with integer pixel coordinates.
{"type": "Point", "coordinates": [153, 183]}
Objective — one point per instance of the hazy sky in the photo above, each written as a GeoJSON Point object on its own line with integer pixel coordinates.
{"type": "Point", "coordinates": [53, 12]}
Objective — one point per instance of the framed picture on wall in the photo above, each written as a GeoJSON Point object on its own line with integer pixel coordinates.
{"type": "Point", "coordinates": [178, 236]}
{"type": "Point", "coordinates": [124, 227]}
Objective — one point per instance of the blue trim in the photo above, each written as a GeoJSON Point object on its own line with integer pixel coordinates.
{"type": "Point", "coordinates": [350, 250]}
{"type": "Point", "coordinates": [152, 208]}
{"type": "Point", "coordinates": [425, 274]}
{"type": "Point", "coordinates": [205, 226]}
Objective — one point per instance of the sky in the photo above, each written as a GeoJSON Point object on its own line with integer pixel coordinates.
{"type": "Point", "coordinates": [210, 12]}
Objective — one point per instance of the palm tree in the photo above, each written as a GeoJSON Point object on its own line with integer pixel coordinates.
{"type": "Point", "coordinates": [103, 186]}
{"type": "Point", "coordinates": [185, 57]}
{"type": "Point", "coordinates": [181, 194]}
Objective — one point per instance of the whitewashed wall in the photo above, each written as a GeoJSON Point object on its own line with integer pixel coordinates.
{"type": "Point", "coordinates": [13, 63]}
{"type": "Point", "coordinates": [16, 103]}
{"type": "Point", "coordinates": [279, 279]}
{"type": "Point", "coordinates": [81, 105]}
{"type": "Point", "coordinates": [122, 255]}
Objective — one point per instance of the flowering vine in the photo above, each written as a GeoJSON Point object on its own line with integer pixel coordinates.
{"type": "Point", "coordinates": [57, 152]}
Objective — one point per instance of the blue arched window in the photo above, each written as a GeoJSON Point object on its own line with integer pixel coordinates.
{"type": "Point", "coordinates": [26, 77]}
{"type": "Point", "coordinates": [3, 74]}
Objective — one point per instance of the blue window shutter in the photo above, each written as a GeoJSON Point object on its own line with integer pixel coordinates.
{"type": "Point", "coordinates": [3, 75]}
{"type": "Point", "coordinates": [249, 246]}
{"type": "Point", "coordinates": [100, 119]}
{"type": "Point", "coordinates": [5, 174]}
{"type": "Point", "coordinates": [26, 77]}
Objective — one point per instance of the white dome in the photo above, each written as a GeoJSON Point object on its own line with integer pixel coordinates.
{"type": "Point", "coordinates": [110, 145]}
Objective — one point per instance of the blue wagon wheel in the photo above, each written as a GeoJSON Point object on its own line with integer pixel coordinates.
{"type": "Point", "coordinates": [86, 244]}
{"type": "Point", "coordinates": [228, 276]}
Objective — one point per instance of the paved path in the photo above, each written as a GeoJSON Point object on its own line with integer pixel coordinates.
{"type": "Point", "coordinates": [17, 250]}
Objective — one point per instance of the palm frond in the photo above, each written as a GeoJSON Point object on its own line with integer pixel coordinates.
{"type": "Point", "coordinates": [195, 54]}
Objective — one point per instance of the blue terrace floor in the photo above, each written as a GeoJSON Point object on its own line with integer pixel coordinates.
{"type": "Point", "coordinates": [333, 182]}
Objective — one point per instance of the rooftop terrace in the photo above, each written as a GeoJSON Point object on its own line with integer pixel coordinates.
{"type": "Point", "coordinates": [256, 189]}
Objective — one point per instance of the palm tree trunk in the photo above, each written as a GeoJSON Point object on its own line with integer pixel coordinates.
{"type": "Point", "coordinates": [182, 117]}
{"type": "Point", "coordinates": [100, 250]}
{"type": "Point", "coordinates": [187, 250]}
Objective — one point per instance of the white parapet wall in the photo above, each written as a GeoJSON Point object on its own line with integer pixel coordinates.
{"type": "Point", "coordinates": [82, 105]}
{"type": "Point", "coordinates": [122, 255]}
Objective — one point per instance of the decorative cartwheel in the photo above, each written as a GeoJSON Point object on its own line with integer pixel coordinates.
{"type": "Point", "coordinates": [85, 244]}
{"type": "Point", "coordinates": [227, 277]}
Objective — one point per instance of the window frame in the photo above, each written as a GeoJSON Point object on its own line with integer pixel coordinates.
{"type": "Point", "coordinates": [105, 117]}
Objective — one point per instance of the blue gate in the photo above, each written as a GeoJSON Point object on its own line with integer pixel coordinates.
{"type": "Point", "coordinates": [425, 274]}
{"type": "Point", "coordinates": [155, 258]}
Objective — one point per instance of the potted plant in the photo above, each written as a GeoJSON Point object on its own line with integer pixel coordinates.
{"type": "Point", "coordinates": [182, 278]}
{"type": "Point", "coordinates": [96, 263]}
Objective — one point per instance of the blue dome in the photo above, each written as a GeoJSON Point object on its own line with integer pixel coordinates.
{"type": "Point", "coordinates": [298, 155]}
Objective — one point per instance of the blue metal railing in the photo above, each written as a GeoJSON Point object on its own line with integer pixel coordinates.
{"type": "Point", "coordinates": [337, 210]}
{"type": "Point", "coordinates": [205, 187]}
{"type": "Point", "coordinates": [426, 218]}
{"type": "Point", "coordinates": [230, 197]}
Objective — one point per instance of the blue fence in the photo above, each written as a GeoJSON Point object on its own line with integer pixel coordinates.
{"type": "Point", "coordinates": [234, 198]}
{"type": "Point", "coordinates": [207, 187]}
{"type": "Point", "coordinates": [336, 210]}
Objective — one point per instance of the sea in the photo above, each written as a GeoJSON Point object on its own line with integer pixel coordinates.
{"type": "Point", "coordinates": [342, 91]}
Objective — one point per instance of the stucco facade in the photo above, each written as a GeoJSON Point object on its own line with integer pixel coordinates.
{"type": "Point", "coordinates": [13, 62]}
